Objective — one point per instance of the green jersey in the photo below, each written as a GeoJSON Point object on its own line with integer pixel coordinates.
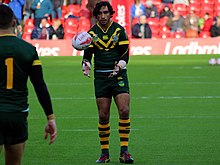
{"type": "Point", "coordinates": [107, 46]}
{"type": "Point", "coordinates": [16, 59]}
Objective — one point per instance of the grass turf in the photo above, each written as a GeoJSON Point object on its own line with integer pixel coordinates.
{"type": "Point", "coordinates": [175, 113]}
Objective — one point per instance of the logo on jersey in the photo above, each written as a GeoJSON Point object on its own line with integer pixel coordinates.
{"type": "Point", "coordinates": [105, 37]}
{"type": "Point", "coordinates": [115, 38]}
{"type": "Point", "coordinates": [95, 37]}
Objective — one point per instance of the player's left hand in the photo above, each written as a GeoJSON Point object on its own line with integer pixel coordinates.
{"type": "Point", "coordinates": [52, 130]}
{"type": "Point", "coordinates": [115, 71]}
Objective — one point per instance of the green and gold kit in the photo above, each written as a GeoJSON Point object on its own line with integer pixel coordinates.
{"type": "Point", "coordinates": [16, 59]}
{"type": "Point", "coordinates": [107, 48]}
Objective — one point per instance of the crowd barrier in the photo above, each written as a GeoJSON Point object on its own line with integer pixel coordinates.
{"type": "Point", "coordinates": [181, 46]}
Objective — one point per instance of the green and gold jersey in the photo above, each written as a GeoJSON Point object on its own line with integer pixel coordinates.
{"type": "Point", "coordinates": [106, 46]}
{"type": "Point", "coordinates": [16, 59]}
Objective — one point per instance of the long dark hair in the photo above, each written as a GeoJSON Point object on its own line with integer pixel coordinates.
{"type": "Point", "coordinates": [99, 5]}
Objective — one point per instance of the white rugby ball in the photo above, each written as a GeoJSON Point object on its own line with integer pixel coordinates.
{"type": "Point", "coordinates": [218, 61]}
{"type": "Point", "coordinates": [81, 40]}
{"type": "Point", "coordinates": [212, 61]}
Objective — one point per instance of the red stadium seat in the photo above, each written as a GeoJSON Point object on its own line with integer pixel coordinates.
{"type": "Point", "coordinates": [211, 13]}
{"type": "Point", "coordinates": [196, 7]}
{"type": "Point", "coordinates": [163, 21]}
{"type": "Point", "coordinates": [29, 22]}
{"type": "Point", "coordinates": [160, 7]}
{"type": "Point", "coordinates": [84, 12]}
{"type": "Point", "coordinates": [84, 3]}
{"type": "Point", "coordinates": [177, 35]}
{"type": "Point", "coordinates": [205, 6]}
{"type": "Point", "coordinates": [216, 9]}
{"type": "Point", "coordinates": [70, 29]}
{"type": "Point", "coordinates": [26, 36]}
{"type": "Point", "coordinates": [28, 29]}
{"type": "Point", "coordinates": [208, 1]}
{"type": "Point", "coordinates": [164, 35]}
{"type": "Point", "coordinates": [143, 1]}
{"type": "Point", "coordinates": [68, 35]}
{"type": "Point", "coordinates": [74, 9]}
{"type": "Point", "coordinates": [180, 7]}
{"type": "Point", "coordinates": [71, 22]}
{"type": "Point", "coordinates": [157, 2]}
{"type": "Point", "coordinates": [134, 21]}
{"type": "Point", "coordinates": [83, 28]}
{"type": "Point", "coordinates": [164, 29]}
{"type": "Point", "coordinates": [194, 1]}
{"type": "Point", "coordinates": [69, 32]}
{"type": "Point", "coordinates": [153, 22]}
{"type": "Point", "coordinates": [64, 11]}
{"type": "Point", "coordinates": [84, 21]}
{"type": "Point", "coordinates": [155, 35]}
{"type": "Point", "coordinates": [84, 24]}
{"type": "Point", "coordinates": [204, 34]}
{"type": "Point", "coordinates": [216, 13]}
{"type": "Point", "coordinates": [155, 31]}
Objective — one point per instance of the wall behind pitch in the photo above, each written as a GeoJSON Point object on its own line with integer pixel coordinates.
{"type": "Point", "coordinates": [137, 47]}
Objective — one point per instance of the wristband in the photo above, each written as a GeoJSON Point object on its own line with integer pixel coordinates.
{"type": "Point", "coordinates": [122, 64]}
{"type": "Point", "coordinates": [51, 117]}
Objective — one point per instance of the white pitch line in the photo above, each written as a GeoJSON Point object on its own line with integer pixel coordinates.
{"type": "Point", "coordinates": [189, 97]}
{"type": "Point", "coordinates": [89, 130]}
{"type": "Point", "coordinates": [174, 83]}
{"type": "Point", "coordinates": [138, 117]}
{"type": "Point", "coordinates": [186, 77]}
{"type": "Point", "coordinates": [69, 84]}
{"type": "Point", "coordinates": [136, 83]}
{"type": "Point", "coordinates": [136, 98]}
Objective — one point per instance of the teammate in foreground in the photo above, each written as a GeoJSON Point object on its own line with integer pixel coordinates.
{"type": "Point", "coordinates": [110, 48]}
{"type": "Point", "coordinates": [18, 61]}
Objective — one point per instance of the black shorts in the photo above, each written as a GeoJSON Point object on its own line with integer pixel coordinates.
{"type": "Point", "coordinates": [13, 128]}
{"type": "Point", "coordinates": [111, 86]}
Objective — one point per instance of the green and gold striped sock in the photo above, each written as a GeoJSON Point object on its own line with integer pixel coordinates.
{"type": "Point", "coordinates": [104, 134]}
{"type": "Point", "coordinates": [124, 131]}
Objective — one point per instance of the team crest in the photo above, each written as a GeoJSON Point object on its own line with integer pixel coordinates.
{"type": "Point", "coordinates": [105, 37]}
{"type": "Point", "coordinates": [115, 38]}
{"type": "Point", "coordinates": [121, 83]}
{"type": "Point", "coordinates": [95, 37]}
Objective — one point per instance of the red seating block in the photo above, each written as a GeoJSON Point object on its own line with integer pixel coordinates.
{"type": "Point", "coordinates": [163, 21]}
{"type": "Point", "coordinates": [29, 22]}
{"type": "Point", "coordinates": [204, 34]}
{"type": "Point", "coordinates": [71, 22]}
{"type": "Point", "coordinates": [74, 9]}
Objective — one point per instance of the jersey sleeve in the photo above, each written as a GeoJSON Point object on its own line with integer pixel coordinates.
{"type": "Point", "coordinates": [36, 77]}
{"type": "Point", "coordinates": [124, 46]}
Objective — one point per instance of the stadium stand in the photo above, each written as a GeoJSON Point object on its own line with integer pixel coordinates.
{"type": "Point", "coordinates": [200, 7]}
{"type": "Point", "coordinates": [81, 20]}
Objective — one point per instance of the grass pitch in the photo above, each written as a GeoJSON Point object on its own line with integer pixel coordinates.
{"type": "Point", "coordinates": [175, 115]}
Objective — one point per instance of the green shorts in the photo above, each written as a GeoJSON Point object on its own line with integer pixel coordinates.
{"type": "Point", "coordinates": [111, 86]}
{"type": "Point", "coordinates": [13, 128]}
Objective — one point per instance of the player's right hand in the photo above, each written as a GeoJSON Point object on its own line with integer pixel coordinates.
{"type": "Point", "coordinates": [52, 130]}
{"type": "Point", "coordinates": [86, 68]}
